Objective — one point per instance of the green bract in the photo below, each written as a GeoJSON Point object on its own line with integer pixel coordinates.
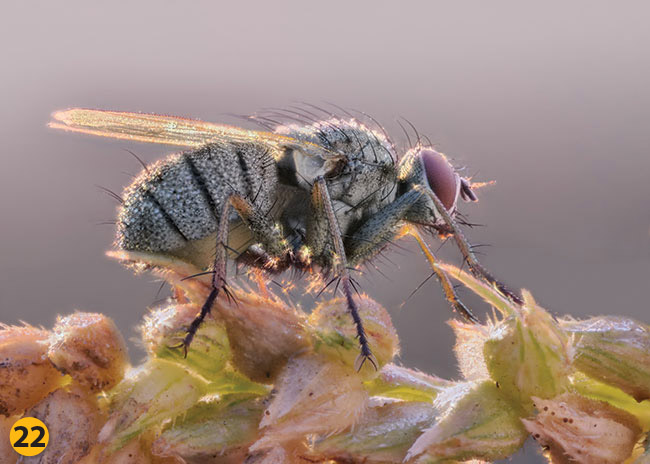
{"type": "Point", "coordinates": [615, 350]}
{"type": "Point", "coordinates": [475, 421]}
{"type": "Point", "coordinates": [528, 355]}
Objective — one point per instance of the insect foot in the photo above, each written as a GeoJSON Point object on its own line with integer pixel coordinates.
{"type": "Point", "coordinates": [336, 338]}
{"type": "Point", "coordinates": [194, 326]}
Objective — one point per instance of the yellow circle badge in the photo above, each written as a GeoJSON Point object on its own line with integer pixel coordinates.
{"type": "Point", "coordinates": [29, 436]}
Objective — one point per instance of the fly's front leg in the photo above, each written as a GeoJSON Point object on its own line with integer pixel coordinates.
{"type": "Point", "coordinates": [323, 208]}
{"type": "Point", "coordinates": [384, 226]}
{"type": "Point", "coordinates": [444, 280]}
{"type": "Point", "coordinates": [465, 248]}
{"type": "Point", "coordinates": [263, 229]}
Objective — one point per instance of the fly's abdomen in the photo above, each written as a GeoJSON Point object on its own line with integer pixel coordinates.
{"type": "Point", "coordinates": [179, 199]}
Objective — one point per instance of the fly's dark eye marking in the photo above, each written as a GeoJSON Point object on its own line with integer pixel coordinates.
{"type": "Point", "coordinates": [441, 176]}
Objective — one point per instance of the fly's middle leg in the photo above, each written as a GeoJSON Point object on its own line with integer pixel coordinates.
{"type": "Point", "coordinates": [324, 210]}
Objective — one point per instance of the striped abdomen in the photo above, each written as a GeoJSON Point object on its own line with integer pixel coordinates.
{"type": "Point", "coordinates": [179, 199]}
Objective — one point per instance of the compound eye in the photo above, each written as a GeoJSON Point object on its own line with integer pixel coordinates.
{"type": "Point", "coordinates": [441, 176]}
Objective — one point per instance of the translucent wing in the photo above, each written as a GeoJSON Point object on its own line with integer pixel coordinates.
{"type": "Point", "coordinates": [170, 130]}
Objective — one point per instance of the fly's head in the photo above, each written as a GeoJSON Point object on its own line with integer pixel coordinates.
{"type": "Point", "coordinates": [425, 168]}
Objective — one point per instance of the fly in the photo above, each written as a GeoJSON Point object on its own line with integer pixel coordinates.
{"type": "Point", "coordinates": [314, 192]}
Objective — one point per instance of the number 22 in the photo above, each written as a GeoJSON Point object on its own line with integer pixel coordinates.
{"type": "Point", "coordinates": [20, 443]}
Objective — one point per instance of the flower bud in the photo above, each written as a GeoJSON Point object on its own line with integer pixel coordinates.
{"type": "Point", "coordinates": [263, 332]}
{"type": "Point", "coordinates": [336, 335]}
{"type": "Point", "coordinates": [225, 427]}
{"type": "Point", "coordinates": [475, 422]}
{"type": "Point", "coordinates": [90, 349]}
{"type": "Point", "coordinates": [527, 354]}
{"type": "Point", "coordinates": [315, 395]}
{"type": "Point", "coordinates": [469, 348]}
{"type": "Point", "coordinates": [245, 316]}
{"type": "Point", "coordinates": [596, 390]}
{"type": "Point", "coordinates": [614, 350]}
{"type": "Point", "coordinates": [73, 420]}
{"type": "Point", "coordinates": [163, 330]}
{"type": "Point", "coordinates": [26, 375]}
{"type": "Point", "coordinates": [383, 434]}
{"type": "Point", "coordinates": [582, 430]}
{"type": "Point", "coordinates": [406, 384]}
{"type": "Point", "coordinates": [148, 395]}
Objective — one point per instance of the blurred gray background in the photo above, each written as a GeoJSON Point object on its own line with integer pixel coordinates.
{"type": "Point", "coordinates": [550, 100]}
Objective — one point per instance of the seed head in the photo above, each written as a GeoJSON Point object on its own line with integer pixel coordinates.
{"type": "Point", "coordinates": [213, 426]}
{"type": "Point", "coordinates": [89, 348]}
{"type": "Point", "coordinates": [614, 350]}
{"type": "Point", "coordinates": [335, 337]}
{"type": "Point", "coordinates": [264, 333]}
{"type": "Point", "coordinates": [475, 421]}
{"type": "Point", "coordinates": [73, 420]}
{"type": "Point", "coordinates": [528, 355]}
{"type": "Point", "coordinates": [26, 374]}
{"type": "Point", "coordinates": [315, 395]}
{"type": "Point", "coordinates": [582, 430]}
{"type": "Point", "coordinates": [163, 331]}
{"type": "Point", "coordinates": [150, 394]}
{"type": "Point", "coordinates": [384, 433]}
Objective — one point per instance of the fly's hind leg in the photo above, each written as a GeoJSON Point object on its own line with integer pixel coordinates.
{"type": "Point", "coordinates": [264, 230]}
{"type": "Point", "coordinates": [218, 276]}
{"type": "Point", "coordinates": [386, 225]}
{"type": "Point", "coordinates": [322, 204]}
{"type": "Point", "coordinates": [466, 249]}
{"type": "Point", "coordinates": [271, 250]}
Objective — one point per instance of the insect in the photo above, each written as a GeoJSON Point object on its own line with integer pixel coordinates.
{"type": "Point", "coordinates": [314, 192]}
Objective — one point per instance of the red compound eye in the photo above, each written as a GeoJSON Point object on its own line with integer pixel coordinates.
{"type": "Point", "coordinates": [441, 176]}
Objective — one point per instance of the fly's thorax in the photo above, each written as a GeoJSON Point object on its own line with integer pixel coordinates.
{"type": "Point", "coordinates": [425, 168]}
{"type": "Point", "coordinates": [360, 174]}
{"type": "Point", "coordinates": [359, 156]}
{"type": "Point", "coordinates": [179, 199]}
